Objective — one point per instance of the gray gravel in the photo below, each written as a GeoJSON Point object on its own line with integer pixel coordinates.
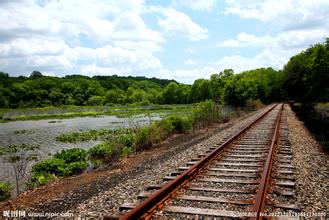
{"type": "Point", "coordinates": [311, 164]}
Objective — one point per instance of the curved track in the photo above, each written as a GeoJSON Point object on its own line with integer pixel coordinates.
{"type": "Point", "coordinates": [248, 175]}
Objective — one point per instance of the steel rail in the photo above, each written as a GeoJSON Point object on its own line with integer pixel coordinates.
{"type": "Point", "coordinates": [145, 208]}
{"type": "Point", "coordinates": [260, 198]}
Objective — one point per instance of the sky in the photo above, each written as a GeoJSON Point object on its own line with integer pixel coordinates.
{"type": "Point", "coordinates": [171, 39]}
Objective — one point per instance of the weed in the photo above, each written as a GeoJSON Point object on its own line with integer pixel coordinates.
{"type": "Point", "coordinates": [4, 191]}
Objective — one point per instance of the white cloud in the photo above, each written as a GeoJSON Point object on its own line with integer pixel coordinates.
{"type": "Point", "coordinates": [298, 24]}
{"type": "Point", "coordinates": [77, 37]}
{"type": "Point", "coordinates": [240, 63]}
{"type": "Point", "coordinates": [23, 47]}
{"type": "Point", "coordinates": [178, 23]}
{"type": "Point", "coordinates": [289, 14]}
{"type": "Point", "coordinates": [116, 60]}
{"type": "Point", "coordinates": [206, 5]}
{"type": "Point", "coordinates": [273, 56]}
{"type": "Point", "coordinates": [276, 50]}
{"type": "Point", "coordinates": [245, 40]}
{"type": "Point", "coordinates": [188, 75]}
{"type": "Point", "coordinates": [131, 26]}
{"type": "Point", "coordinates": [290, 39]}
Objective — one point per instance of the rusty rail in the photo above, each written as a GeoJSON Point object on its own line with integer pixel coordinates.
{"type": "Point", "coordinates": [263, 187]}
{"type": "Point", "coordinates": [144, 209]}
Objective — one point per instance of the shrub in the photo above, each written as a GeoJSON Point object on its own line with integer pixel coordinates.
{"type": "Point", "coordinates": [53, 166]}
{"type": "Point", "coordinates": [100, 151]}
{"type": "Point", "coordinates": [206, 113]}
{"type": "Point", "coordinates": [165, 126]}
{"type": "Point", "coordinates": [105, 152]}
{"type": "Point", "coordinates": [72, 155]}
{"type": "Point", "coordinates": [127, 140]}
{"type": "Point", "coordinates": [160, 130]}
{"type": "Point", "coordinates": [76, 167]}
{"type": "Point", "coordinates": [65, 163]}
{"type": "Point", "coordinates": [125, 151]}
{"type": "Point", "coordinates": [180, 124]}
{"type": "Point", "coordinates": [4, 191]}
{"type": "Point", "coordinates": [143, 138]}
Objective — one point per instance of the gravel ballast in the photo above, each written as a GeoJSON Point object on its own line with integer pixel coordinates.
{"type": "Point", "coordinates": [152, 172]}
{"type": "Point", "coordinates": [311, 164]}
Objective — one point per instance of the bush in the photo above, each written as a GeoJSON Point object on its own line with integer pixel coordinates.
{"type": "Point", "coordinates": [125, 151]}
{"type": "Point", "coordinates": [100, 151]}
{"type": "Point", "coordinates": [52, 166]}
{"type": "Point", "coordinates": [160, 130]}
{"type": "Point", "coordinates": [127, 140]}
{"type": "Point", "coordinates": [65, 163]}
{"type": "Point", "coordinates": [205, 114]}
{"type": "Point", "coordinates": [166, 127]}
{"type": "Point", "coordinates": [180, 124]}
{"type": "Point", "coordinates": [143, 138]}
{"type": "Point", "coordinates": [4, 191]}
{"type": "Point", "coordinates": [72, 155]}
{"type": "Point", "coordinates": [76, 167]}
{"type": "Point", "coordinates": [105, 152]}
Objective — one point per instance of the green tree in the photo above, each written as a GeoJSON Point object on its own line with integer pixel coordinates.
{"type": "Point", "coordinates": [307, 78]}
{"type": "Point", "coordinates": [115, 96]}
{"type": "Point", "coordinates": [170, 94]}
{"type": "Point", "coordinates": [200, 90]}
{"type": "Point", "coordinates": [36, 74]}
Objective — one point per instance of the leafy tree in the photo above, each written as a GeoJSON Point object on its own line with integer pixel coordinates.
{"type": "Point", "coordinates": [170, 94]}
{"type": "Point", "coordinates": [55, 96]}
{"type": "Point", "coordinates": [115, 96]}
{"type": "Point", "coordinates": [138, 95]}
{"type": "Point", "coordinates": [200, 90]}
{"type": "Point", "coordinates": [36, 74]}
{"type": "Point", "coordinates": [307, 75]}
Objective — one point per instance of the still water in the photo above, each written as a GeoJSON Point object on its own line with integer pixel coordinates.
{"type": "Point", "coordinates": [44, 132]}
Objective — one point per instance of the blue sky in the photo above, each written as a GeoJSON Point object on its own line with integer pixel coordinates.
{"type": "Point", "coordinates": [175, 39]}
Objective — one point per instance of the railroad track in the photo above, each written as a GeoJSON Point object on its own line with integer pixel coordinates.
{"type": "Point", "coordinates": [248, 175]}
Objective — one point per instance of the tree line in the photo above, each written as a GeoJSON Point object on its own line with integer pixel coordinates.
{"type": "Point", "coordinates": [304, 78]}
{"type": "Point", "coordinates": [307, 75]}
